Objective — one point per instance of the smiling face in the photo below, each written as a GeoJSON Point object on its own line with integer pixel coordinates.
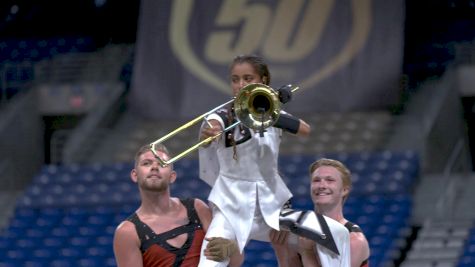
{"type": "Point", "coordinates": [326, 187]}
{"type": "Point", "coordinates": [149, 175]}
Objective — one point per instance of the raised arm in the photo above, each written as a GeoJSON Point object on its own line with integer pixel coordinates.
{"type": "Point", "coordinates": [304, 128]}
{"type": "Point", "coordinates": [292, 124]}
{"type": "Point", "coordinates": [207, 131]}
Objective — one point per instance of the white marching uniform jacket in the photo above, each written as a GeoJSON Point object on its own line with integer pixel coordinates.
{"type": "Point", "coordinates": [251, 182]}
{"type": "Point", "coordinates": [339, 234]}
{"type": "Point", "coordinates": [250, 187]}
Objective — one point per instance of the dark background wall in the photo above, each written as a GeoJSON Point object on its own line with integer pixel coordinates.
{"type": "Point", "coordinates": [432, 26]}
{"type": "Point", "coordinates": [105, 21]}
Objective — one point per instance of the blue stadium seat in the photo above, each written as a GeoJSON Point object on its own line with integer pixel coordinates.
{"type": "Point", "coordinates": [110, 262]}
{"type": "Point", "coordinates": [99, 219]}
{"type": "Point", "coordinates": [63, 262]}
{"type": "Point", "coordinates": [105, 240]}
{"type": "Point", "coordinates": [302, 202]}
{"type": "Point", "coordinates": [466, 261]}
{"type": "Point", "coordinates": [43, 254]}
{"type": "Point", "coordinates": [80, 207]}
{"type": "Point", "coordinates": [99, 251]}
{"type": "Point", "coordinates": [90, 262]}
{"type": "Point", "coordinates": [72, 252]}
{"type": "Point", "coordinates": [27, 243]}
{"type": "Point", "coordinates": [81, 241]}
{"type": "Point", "coordinates": [36, 263]}
{"type": "Point", "coordinates": [10, 263]}
{"type": "Point", "coordinates": [90, 230]}
{"type": "Point", "coordinates": [468, 256]}
{"type": "Point", "coordinates": [63, 231]}
{"type": "Point", "coordinates": [54, 243]}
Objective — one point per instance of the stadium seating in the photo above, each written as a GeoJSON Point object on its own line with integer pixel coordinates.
{"type": "Point", "coordinates": [468, 256]}
{"type": "Point", "coordinates": [19, 56]}
{"type": "Point", "coordinates": [68, 215]}
{"type": "Point", "coordinates": [18, 50]}
{"type": "Point", "coordinates": [332, 132]}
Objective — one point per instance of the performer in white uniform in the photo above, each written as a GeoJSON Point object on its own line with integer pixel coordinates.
{"type": "Point", "coordinates": [247, 193]}
{"type": "Point", "coordinates": [247, 188]}
{"type": "Point", "coordinates": [330, 186]}
{"type": "Point", "coordinates": [331, 238]}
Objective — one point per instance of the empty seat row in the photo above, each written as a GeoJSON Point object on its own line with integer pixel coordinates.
{"type": "Point", "coordinates": [91, 184]}
{"type": "Point", "coordinates": [36, 49]}
{"type": "Point", "coordinates": [467, 257]}
{"type": "Point", "coordinates": [69, 214]}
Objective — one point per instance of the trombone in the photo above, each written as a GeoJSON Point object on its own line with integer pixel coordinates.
{"type": "Point", "coordinates": [257, 106]}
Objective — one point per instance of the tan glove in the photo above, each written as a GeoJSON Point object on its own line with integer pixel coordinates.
{"type": "Point", "coordinates": [220, 249]}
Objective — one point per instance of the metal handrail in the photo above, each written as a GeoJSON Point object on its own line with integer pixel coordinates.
{"type": "Point", "coordinates": [445, 204]}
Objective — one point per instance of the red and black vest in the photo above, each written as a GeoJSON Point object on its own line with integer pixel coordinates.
{"type": "Point", "coordinates": [157, 252]}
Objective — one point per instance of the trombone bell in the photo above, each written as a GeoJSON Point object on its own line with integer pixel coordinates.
{"type": "Point", "coordinates": [257, 106]}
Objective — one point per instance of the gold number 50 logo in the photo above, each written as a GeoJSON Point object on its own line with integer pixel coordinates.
{"type": "Point", "coordinates": [287, 33]}
{"type": "Point", "coordinates": [283, 35]}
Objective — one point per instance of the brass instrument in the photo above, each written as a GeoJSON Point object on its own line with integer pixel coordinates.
{"type": "Point", "coordinates": [257, 106]}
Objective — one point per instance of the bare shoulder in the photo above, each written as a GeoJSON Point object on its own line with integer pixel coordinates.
{"type": "Point", "coordinates": [125, 236]}
{"type": "Point", "coordinates": [204, 213]}
{"type": "Point", "coordinates": [358, 238]}
{"type": "Point", "coordinates": [126, 229]}
{"type": "Point", "coordinates": [201, 206]}
{"type": "Point", "coordinates": [126, 245]}
{"type": "Point", "coordinates": [359, 245]}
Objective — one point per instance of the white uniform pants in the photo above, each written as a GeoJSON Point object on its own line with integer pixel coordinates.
{"type": "Point", "coordinates": [220, 227]}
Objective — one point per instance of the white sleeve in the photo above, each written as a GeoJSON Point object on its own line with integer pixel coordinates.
{"type": "Point", "coordinates": [208, 157]}
{"type": "Point", "coordinates": [214, 116]}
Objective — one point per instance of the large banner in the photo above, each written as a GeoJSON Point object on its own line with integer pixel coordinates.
{"type": "Point", "coordinates": [346, 55]}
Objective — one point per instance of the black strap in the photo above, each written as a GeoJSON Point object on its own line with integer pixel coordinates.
{"type": "Point", "coordinates": [288, 123]}
{"type": "Point", "coordinates": [148, 237]}
{"type": "Point", "coordinates": [301, 216]}
{"type": "Point", "coordinates": [325, 239]}
{"type": "Point", "coordinates": [352, 227]}
{"type": "Point", "coordinates": [329, 241]}
{"type": "Point", "coordinates": [245, 132]}
{"type": "Point", "coordinates": [140, 227]}
{"type": "Point", "coordinates": [287, 212]}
